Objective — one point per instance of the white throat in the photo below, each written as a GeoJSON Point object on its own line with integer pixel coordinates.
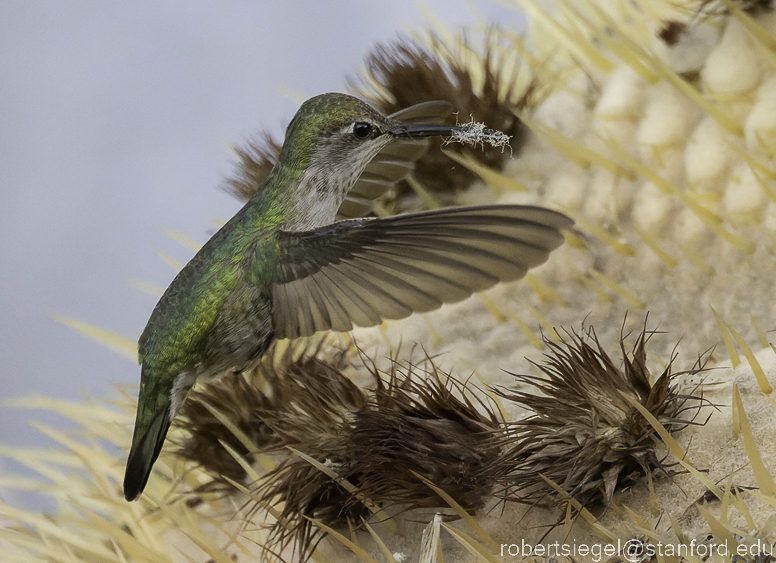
{"type": "Point", "coordinates": [325, 183]}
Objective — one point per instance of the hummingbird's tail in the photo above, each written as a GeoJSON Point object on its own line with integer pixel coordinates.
{"type": "Point", "coordinates": [151, 425]}
{"type": "Point", "coordinates": [145, 450]}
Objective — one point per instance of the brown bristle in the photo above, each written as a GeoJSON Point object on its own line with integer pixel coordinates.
{"type": "Point", "coordinates": [417, 427]}
{"type": "Point", "coordinates": [303, 492]}
{"type": "Point", "coordinates": [254, 164]}
{"type": "Point", "coordinates": [584, 435]}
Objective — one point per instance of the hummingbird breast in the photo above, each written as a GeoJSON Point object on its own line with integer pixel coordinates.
{"type": "Point", "coordinates": [325, 184]}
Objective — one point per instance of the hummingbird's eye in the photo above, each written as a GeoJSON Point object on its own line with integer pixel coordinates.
{"type": "Point", "coordinates": [361, 130]}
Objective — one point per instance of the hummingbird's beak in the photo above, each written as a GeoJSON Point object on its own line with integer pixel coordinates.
{"type": "Point", "coordinates": [418, 130]}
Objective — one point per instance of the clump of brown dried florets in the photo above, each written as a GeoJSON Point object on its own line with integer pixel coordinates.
{"type": "Point", "coordinates": [417, 426]}
{"type": "Point", "coordinates": [369, 449]}
{"type": "Point", "coordinates": [254, 163]}
{"type": "Point", "coordinates": [409, 72]}
{"type": "Point", "coordinates": [347, 454]}
{"type": "Point", "coordinates": [421, 424]}
{"type": "Point", "coordinates": [585, 435]}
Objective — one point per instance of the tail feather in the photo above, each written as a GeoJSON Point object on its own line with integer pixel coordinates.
{"type": "Point", "coordinates": [151, 425]}
{"type": "Point", "coordinates": [159, 399]}
{"type": "Point", "coordinates": [146, 446]}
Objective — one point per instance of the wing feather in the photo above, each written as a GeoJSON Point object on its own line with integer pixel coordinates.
{"type": "Point", "coordinates": [365, 270]}
{"type": "Point", "coordinates": [355, 305]}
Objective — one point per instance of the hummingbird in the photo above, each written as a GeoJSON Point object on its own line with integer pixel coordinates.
{"type": "Point", "coordinates": [284, 267]}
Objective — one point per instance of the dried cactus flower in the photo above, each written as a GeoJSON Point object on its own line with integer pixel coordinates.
{"type": "Point", "coordinates": [293, 397]}
{"type": "Point", "coordinates": [254, 163]}
{"type": "Point", "coordinates": [422, 424]}
{"type": "Point", "coordinates": [585, 435]}
{"type": "Point", "coordinates": [413, 429]}
{"type": "Point", "coordinates": [303, 491]}
{"type": "Point", "coordinates": [409, 71]}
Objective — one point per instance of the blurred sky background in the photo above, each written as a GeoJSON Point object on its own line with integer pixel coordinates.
{"type": "Point", "coordinates": [115, 122]}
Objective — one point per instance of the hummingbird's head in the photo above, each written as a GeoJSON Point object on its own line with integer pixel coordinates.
{"type": "Point", "coordinates": [341, 134]}
{"type": "Point", "coordinates": [330, 140]}
{"type": "Point", "coordinates": [333, 129]}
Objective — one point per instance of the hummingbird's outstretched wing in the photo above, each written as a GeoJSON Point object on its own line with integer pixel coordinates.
{"type": "Point", "coordinates": [363, 271]}
{"type": "Point", "coordinates": [393, 162]}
